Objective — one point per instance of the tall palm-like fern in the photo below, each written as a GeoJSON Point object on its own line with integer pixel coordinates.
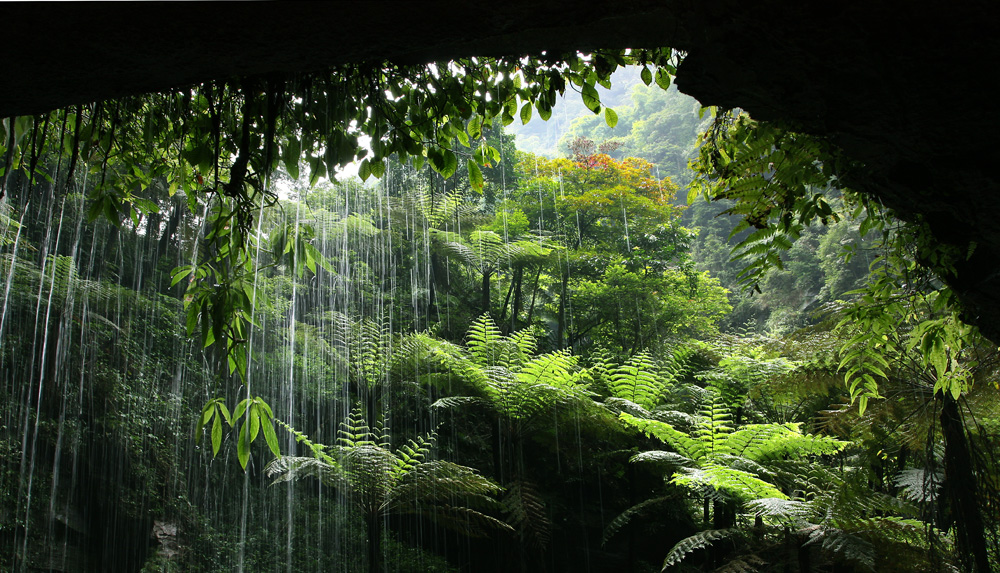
{"type": "Point", "coordinates": [726, 465]}
{"type": "Point", "coordinates": [381, 481]}
{"type": "Point", "coordinates": [486, 252]}
{"type": "Point", "coordinates": [374, 357]}
{"type": "Point", "coordinates": [520, 391]}
{"type": "Point", "coordinates": [853, 524]}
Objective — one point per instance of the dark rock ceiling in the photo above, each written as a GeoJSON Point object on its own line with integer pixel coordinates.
{"type": "Point", "coordinates": [899, 86]}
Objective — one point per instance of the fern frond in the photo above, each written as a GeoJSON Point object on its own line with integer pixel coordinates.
{"type": "Point", "coordinates": [762, 442]}
{"type": "Point", "coordinates": [483, 340]}
{"type": "Point", "coordinates": [629, 514]}
{"type": "Point", "coordinates": [526, 511]}
{"type": "Point", "coordinates": [525, 341]}
{"type": "Point", "coordinates": [619, 405]}
{"type": "Point", "coordinates": [780, 510]}
{"type": "Point", "coordinates": [844, 545]}
{"type": "Point", "coordinates": [291, 468]}
{"type": "Point", "coordinates": [637, 382]}
{"type": "Point", "coordinates": [661, 457]}
{"type": "Point", "coordinates": [686, 445]}
{"type": "Point", "coordinates": [699, 540]}
{"type": "Point", "coordinates": [552, 369]}
{"type": "Point", "coordinates": [919, 485]}
{"type": "Point", "coordinates": [737, 483]}
{"type": "Point", "coordinates": [412, 453]}
{"type": "Point", "coordinates": [458, 402]}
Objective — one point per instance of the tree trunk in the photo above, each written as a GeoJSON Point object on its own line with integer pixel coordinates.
{"type": "Point", "coordinates": [374, 542]}
{"type": "Point", "coordinates": [485, 302]}
{"type": "Point", "coordinates": [516, 311]}
{"type": "Point", "coordinates": [961, 490]}
{"type": "Point", "coordinates": [534, 293]}
{"type": "Point", "coordinates": [561, 330]}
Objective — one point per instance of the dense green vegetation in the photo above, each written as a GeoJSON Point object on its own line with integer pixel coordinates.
{"type": "Point", "coordinates": [532, 363]}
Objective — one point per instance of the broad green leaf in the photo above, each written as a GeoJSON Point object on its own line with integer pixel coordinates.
{"type": "Point", "coordinates": [179, 273]}
{"type": "Point", "coordinates": [525, 113]}
{"type": "Point", "coordinates": [475, 127]}
{"type": "Point", "coordinates": [241, 408]}
{"type": "Point", "coordinates": [264, 407]}
{"type": "Point", "coordinates": [646, 75]}
{"type": "Point", "coordinates": [225, 412]}
{"type": "Point", "coordinates": [378, 168]}
{"type": "Point", "coordinates": [365, 170]}
{"type": "Point", "coordinates": [475, 176]}
{"type": "Point", "coordinates": [270, 437]}
{"type": "Point", "coordinates": [610, 117]}
{"type": "Point", "coordinates": [216, 435]}
{"type": "Point", "coordinates": [544, 111]}
{"type": "Point", "coordinates": [206, 415]}
{"type": "Point", "coordinates": [243, 448]}
{"type": "Point", "coordinates": [662, 78]}
{"type": "Point", "coordinates": [591, 98]}
{"type": "Point", "coordinates": [254, 422]}
{"type": "Point", "coordinates": [443, 161]}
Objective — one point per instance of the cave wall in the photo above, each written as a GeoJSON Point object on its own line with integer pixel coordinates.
{"type": "Point", "coordinates": [900, 87]}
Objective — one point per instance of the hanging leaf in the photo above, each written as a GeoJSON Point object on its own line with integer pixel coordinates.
{"type": "Point", "coordinates": [443, 161]}
{"type": "Point", "coordinates": [269, 436]}
{"type": "Point", "coordinates": [646, 76]}
{"type": "Point", "coordinates": [365, 170]}
{"type": "Point", "coordinates": [591, 98]}
{"type": "Point", "coordinates": [525, 113]}
{"type": "Point", "coordinates": [243, 447]}
{"type": "Point", "coordinates": [216, 435]}
{"type": "Point", "coordinates": [475, 127]}
{"type": "Point", "coordinates": [377, 167]}
{"type": "Point", "coordinates": [610, 117]}
{"type": "Point", "coordinates": [475, 176]}
{"type": "Point", "coordinates": [662, 78]}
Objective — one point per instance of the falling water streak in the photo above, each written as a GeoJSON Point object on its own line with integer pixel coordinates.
{"type": "Point", "coordinates": [582, 482]}
{"type": "Point", "coordinates": [541, 208]}
{"type": "Point", "coordinates": [41, 377]}
{"type": "Point", "coordinates": [290, 496]}
{"type": "Point", "coordinates": [628, 243]}
{"type": "Point", "coordinates": [11, 271]}
{"type": "Point", "coordinates": [61, 350]}
{"type": "Point", "coordinates": [249, 337]}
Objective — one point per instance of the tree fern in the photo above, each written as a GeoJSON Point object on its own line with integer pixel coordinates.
{"type": "Point", "coordinates": [380, 481]}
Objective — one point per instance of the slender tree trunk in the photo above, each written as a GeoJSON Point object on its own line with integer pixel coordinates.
{"type": "Point", "coordinates": [961, 490]}
{"type": "Point", "coordinates": [561, 330]}
{"type": "Point", "coordinates": [374, 527]}
{"type": "Point", "coordinates": [804, 558]}
{"type": "Point", "coordinates": [497, 445]}
{"type": "Point", "coordinates": [534, 293]}
{"type": "Point", "coordinates": [516, 311]}
{"type": "Point", "coordinates": [485, 302]}
{"type": "Point", "coordinates": [502, 318]}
